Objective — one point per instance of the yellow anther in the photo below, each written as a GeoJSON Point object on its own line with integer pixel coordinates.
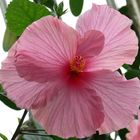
{"type": "Point", "coordinates": [77, 64]}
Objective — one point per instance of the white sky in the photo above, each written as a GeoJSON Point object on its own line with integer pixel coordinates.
{"type": "Point", "coordinates": [8, 117]}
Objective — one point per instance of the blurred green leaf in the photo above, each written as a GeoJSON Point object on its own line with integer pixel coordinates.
{"type": "Point", "coordinates": [133, 13]}
{"type": "Point", "coordinates": [101, 137]}
{"type": "Point", "coordinates": [72, 139]}
{"type": "Point", "coordinates": [76, 6]}
{"type": "Point", "coordinates": [122, 133]}
{"type": "Point", "coordinates": [8, 102]}
{"type": "Point", "coordinates": [126, 66]}
{"type": "Point", "coordinates": [131, 10]}
{"type": "Point", "coordinates": [56, 138]}
{"type": "Point", "coordinates": [9, 39]}
{"type": "Point", "coordinates": [21, 13]}
{"type": "Point", "coordinates": [124, 10]}
{"type": "Point", "coordinates": [37, 137]}
{"type": "Point", "coordinates": [3, 136]}
{"type": "Point", "coordinates": [49, 3]}
{"type": "Point", "coordinates": [1, 89]}
{"type": "Point", "coordinates": [132, 73]}
{"type": "Point", "coordinates": [33, 137]}
{"type": "Point", "coordinates": [36, 1]}
{"type": "Point", "coordinates": [136, 63]}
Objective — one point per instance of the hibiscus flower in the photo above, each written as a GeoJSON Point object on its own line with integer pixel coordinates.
{"type": "Point", "coordinates": [69, 79]}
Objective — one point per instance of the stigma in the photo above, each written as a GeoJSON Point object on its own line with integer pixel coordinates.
{"type": "Point", "coordinates": [77, 65]}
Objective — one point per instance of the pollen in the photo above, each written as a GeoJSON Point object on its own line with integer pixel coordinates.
{"type": "Point", "coordinates": [77, 64]}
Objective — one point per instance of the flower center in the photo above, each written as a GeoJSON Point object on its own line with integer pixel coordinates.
{"type": "Point", "coordinates": [77, 64]}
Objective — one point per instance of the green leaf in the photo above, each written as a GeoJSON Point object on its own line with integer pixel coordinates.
{"type": "Point", "coordinates": [1, 89]}
{"type": "Point", "coordinates": [132, 73]}
{"type": "Point", "coordinates": [56, 138]}
{"type": "Point", "coordinates": [34, 137]}
{"type": "Point", "coordinates": [3, 136]}
{"type": "Point", "coordinates": [72, 139]}
{"type": "Point", "coordinates": [136, 63]}
{"type": "Point", "coordinates": [124, 10]}
{"type": "Point", "coordinates": [21, 13]}
{"type": "Point", "coordinates": [9, 39]}
{"type": "Point", "coordinates": [8, 102]}
{"type": "Point", "coordinates": [76, 6]}
{"type": "Point", "coordinates": [126, 66]}
{"type": "Point", "coordinates": [122, 133]}
{"type": "Point", "coordinates": [101, 137]}
{"type": "Point", "coordinates": [49, 3]}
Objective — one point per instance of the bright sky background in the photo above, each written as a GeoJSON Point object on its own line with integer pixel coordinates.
{"type": "Point", "coordinates": [9, 117]}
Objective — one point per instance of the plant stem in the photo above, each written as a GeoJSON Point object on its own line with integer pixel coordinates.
{"type": "Point", "coordinates": [3, 7]}
{"type": "Point", "coordinates": [31, 130]}
{"type": "Point", "coordinates": [116, 134]}
{"type": "Point", "coordinates": [133, 4]}
{"type": "Point", "coordinates": [111, 3]}
{"type": "Point", "coordinates": [36, 134]}
{"type": "Point", "coordinates": [19, 125]}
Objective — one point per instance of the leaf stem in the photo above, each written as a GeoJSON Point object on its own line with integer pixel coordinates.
{"type": "Point", "coordinates": [3, 6]}
{"type": "Point", "coordinates": [19, 125]}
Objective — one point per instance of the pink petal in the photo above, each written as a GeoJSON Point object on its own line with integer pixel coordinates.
{"type": "Point", "coordinates": [32, 69]}
{"type": "Point", "coordinates": [120, 97]}
{"type": "Point", "coordinates": [134, 128]}
{"type": "Point", "coordinates": [71, 114]}
{"type": "Point", "coordinates": [137, 136]}
{"type": "Point", "coordinates": [91, 44]}
{"type": "Point", "coordinates": [134, 134]}
{"type": "Point", "coordinates": [24, 93]}
{"type": "Point", "coordinates": [44, 49]}
{"type": "Point", "coordinates": [121, 43]}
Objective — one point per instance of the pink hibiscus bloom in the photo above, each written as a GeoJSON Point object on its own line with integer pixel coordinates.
{"type": "Point", "coordinates": [68, 77]}
{"type": "Point", "coordinates": [134, 129]}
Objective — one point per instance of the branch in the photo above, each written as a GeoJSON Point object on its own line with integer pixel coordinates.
{"type": "Point", "coordinates": [19, 125]}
